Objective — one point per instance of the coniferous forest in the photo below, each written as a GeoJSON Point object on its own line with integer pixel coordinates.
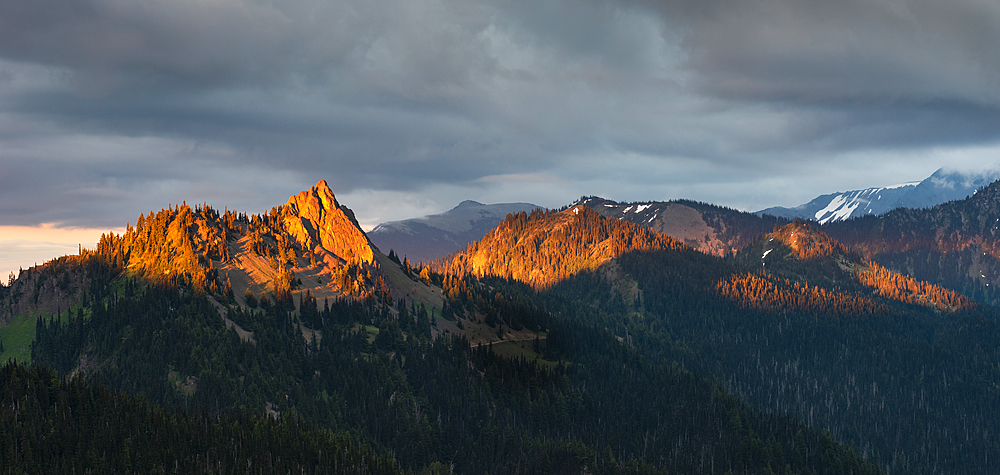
{"type": "Point", "coordinates": [378, 377]}
{"type": "Point", "coordinates": [78, 426]}
{"type": "Point", "coordinates": [909, 386]}
{"type": "Point", "coordinates": [563, 342]}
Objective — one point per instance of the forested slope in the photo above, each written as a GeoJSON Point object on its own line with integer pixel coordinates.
{"type": "Point", "coordinates": [463, 370]}
{"type": "Point", "coordinates": [546, 247]}
{"type": "Point", "coordinates": [797, 323]}
{"type": "Point", "coordinates": [954, 244]}
{"type": "Point", "coordinates": [52, 425]}
{"type": "Point", "coordinates": [903, 370]}
{"type": "Point", "coordinates": [554, 405]}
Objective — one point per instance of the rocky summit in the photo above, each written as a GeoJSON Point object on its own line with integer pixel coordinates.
{"type": "Point", "coordinates": [315, 220]}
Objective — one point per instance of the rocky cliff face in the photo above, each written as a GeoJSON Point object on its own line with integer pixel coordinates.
{"type": "Point", "coordinates": [311, 242]}
{"type": "Point", "coordinates": [328, 229]}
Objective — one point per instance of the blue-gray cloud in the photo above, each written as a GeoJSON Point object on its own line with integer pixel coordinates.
{"type": "Point", "coordinates": [112, 107]}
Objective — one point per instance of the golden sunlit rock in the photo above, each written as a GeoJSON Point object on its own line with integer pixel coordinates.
{"type": "Point", "coordinates": [319, 224]}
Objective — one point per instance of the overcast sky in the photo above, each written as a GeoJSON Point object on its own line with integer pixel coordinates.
{"type": "Point", "coordinates": [110, 108]}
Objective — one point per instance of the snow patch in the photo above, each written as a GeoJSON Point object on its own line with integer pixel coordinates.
{"type": "Point", "coordinates": [641, 207]}
{"type": "Point", "coordinates": [838, 209]}
{"type": "Point", "coordinates": [766, 253]}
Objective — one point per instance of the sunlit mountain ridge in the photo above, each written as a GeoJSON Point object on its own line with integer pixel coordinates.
{"type": "Point", "coordinates": [546, 247]}
{"type": "Point", "coordinates": [293, 315]}
{"type": "Point", "coordinates": [294, 311]}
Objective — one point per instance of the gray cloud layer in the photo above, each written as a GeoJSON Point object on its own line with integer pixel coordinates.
{"type": "Point", "coordinates": [112, 107]}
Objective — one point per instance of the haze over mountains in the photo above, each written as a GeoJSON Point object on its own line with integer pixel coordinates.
{"type": "Point", "coordinates": [430, 237]}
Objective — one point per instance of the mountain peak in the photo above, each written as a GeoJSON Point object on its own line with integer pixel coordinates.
{"type": "Point", "coordinates": [943, 185]}
{"type": "Point", "coordinates": [431, 237]}
{"type": "Point", "coordinates": [317, 199]}
{"type": "Point", "coordinates": [315, 220]}
{"type": "Point", "coordinates": [322, 189]}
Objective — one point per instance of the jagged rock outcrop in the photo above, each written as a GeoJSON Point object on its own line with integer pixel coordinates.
{"type": "Point", "coordinates": [311, 242]}
{"type": "Point", "coordinates": [319, 224]}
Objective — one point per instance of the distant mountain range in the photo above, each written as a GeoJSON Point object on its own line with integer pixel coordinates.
{"type": "Point", "coordinates": [430, 237]}
{"type": "Point", "coordinates": [603, 337]}
{"type": "Point", "coordinates": [709, 228]}
{"type": "Point", "coordinates": [941, 187]}
{"type": "Point", "coordinates": [953, 244]}
{"type": "Point", "coordinates": [295, 315]}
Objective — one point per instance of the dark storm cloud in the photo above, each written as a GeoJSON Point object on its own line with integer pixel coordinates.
{"type": "Point", "coordinates": [111, 107]}
{"type": "Point", "coordinates": [168, 43]}
{"type": "Point", "coordinates": [814, 50]}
